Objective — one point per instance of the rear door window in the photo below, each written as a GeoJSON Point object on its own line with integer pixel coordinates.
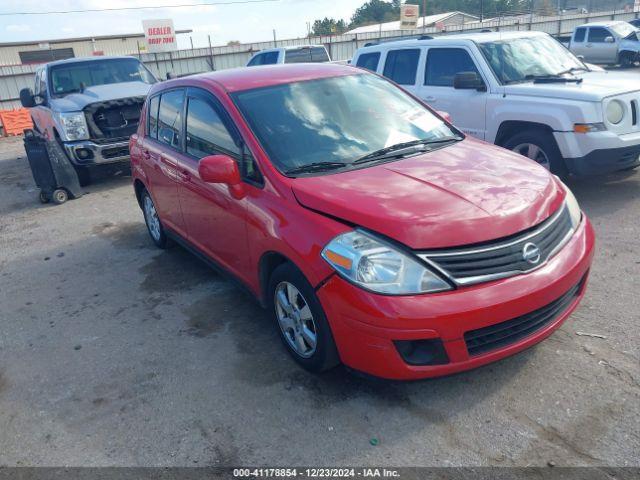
{"type": "Point", "coordinates": [170, 118]}
{"type": "Point", "coordinates": [598, 34]}
{"type": "Point", "coordinates": [444, 63]}
{"type": "Point", "coordinates": [270, 58]}
{"type": "Point", "coordinates": [401, 66]}
{"type": "Point", "coordinates": [369, 61]}
{"type": "Point", "coordinates": [152, 114]}
{"type": "Point", "coordinates": [579, 35]}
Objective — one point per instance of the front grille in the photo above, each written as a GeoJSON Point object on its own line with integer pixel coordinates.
{"type": "Point", "coordinates": [505, 257]}
{"type": "Point", "coordinates": [502, 334]}
{"type": "Point", "coordinates": [115, 152]}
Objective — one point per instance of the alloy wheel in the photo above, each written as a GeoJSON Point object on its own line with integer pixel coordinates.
{"type": "Point", "coordinates": [534, 152]}
{"type": "Point", "coordinates": [151, 216]}
{"type": "Point", "coordinates": [295, 319]}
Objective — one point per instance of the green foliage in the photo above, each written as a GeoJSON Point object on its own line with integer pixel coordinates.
{"type": "Point", "coordinates": [328, 26]}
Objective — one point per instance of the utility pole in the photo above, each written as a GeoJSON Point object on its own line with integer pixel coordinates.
{"type": "Point", "coordinates": [424, 14]}
{"type": "Point", "coordinates": [275, 41]}
{"type": "Point", "coordinates": [481, 11]}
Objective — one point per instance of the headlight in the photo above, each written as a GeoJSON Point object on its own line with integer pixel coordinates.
{"type": "Point", "coordinates": [74, 125]}
{"type": "Point", "coordinates": [574, 208]}
{"type": "Point", "coordinates": [380, 267]}
{"type": "Point", "coordinates": [615, 111]}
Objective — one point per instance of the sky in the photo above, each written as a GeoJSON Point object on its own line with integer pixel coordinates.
{"type": "Point", "coordinates": [242, 22]}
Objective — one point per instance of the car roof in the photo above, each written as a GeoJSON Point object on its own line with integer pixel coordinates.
{"type": "Point", "coordinates": [290, 47]}
{"type": "Point", "coordinates": [602, 24]}
{"type": "Point", "coordinates": [87, 59]}
{"type": "Point", "coordinates": [476, 37]}
{"type": "Point", "coordinates": [245, 78]}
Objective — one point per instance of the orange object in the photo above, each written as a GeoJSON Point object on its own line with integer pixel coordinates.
{"type": "Point", "coordinates": [14, 122]}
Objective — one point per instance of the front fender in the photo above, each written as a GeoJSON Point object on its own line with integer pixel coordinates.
{"type": "Point", "coordinates": [544, 111]}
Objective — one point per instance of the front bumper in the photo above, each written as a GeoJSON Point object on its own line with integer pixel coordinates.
{"type": "Point", "coordinates": [365, 325]}
{"type": "Point", "coordinates": [87, 152]}
{"type": "Point", "coordinates": [598, 152]}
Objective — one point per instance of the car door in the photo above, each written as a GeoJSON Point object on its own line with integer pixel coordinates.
{"type": "Point", "coordinates": [467, 108]}
{"type": "Point", "coordinates": [598, 49]}
{"type": "Point", "coordinates": [215, 220]}
{"type": "Point", "coordinates": [578, 42]}
{"type": "Point", "coordinates": [160, 147]}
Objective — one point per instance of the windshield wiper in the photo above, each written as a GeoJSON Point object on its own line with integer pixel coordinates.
{"type": "Point", "coordinates": [316, 167]}
{"type": "Point", "coordinates": [573, 69]}
{"type": "Point", "coordinates": [402, 149]}
{"type": "Point", "coordinates": [552, 78]}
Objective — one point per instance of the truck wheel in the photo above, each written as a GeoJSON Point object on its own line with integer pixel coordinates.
{"type": "Point", "coordinates": [539, 146]}
{"type": "Point", "coordinates": [59, 196]}
{"type": "Point", "coordinates": [628, 59]}
{"type": "Point", "coordinates": [303, 326]}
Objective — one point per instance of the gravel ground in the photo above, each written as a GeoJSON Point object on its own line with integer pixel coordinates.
{"type": "Point", "coordinates": [115, 353]}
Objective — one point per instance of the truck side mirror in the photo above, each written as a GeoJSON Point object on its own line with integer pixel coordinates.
{"type": "Point", "coordinates": [26, 98]}
{"type": "Point", "coordinates": [171, 76]}
{"type": "Point", "coordinates": [468, 81]}
{"type": "Point", "coordinates": [609, 39]}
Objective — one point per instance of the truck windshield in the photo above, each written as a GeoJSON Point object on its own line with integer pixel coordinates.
{"type": "Point", "coordinates": [336, 121]}
{"type": "Point", "coordinates": [523, 59]}
{"type": "Point", "coordinates": [75, 77]}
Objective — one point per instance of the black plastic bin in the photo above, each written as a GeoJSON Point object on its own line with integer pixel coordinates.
{"type": "Point", "coordinates": [52, 171]}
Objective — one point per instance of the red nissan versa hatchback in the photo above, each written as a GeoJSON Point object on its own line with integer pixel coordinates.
{"type": "Point", "coordinates": [377, 234]}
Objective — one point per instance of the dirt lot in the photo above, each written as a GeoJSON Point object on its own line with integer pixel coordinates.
{"type": "Point", "coordinates": [115, 353]}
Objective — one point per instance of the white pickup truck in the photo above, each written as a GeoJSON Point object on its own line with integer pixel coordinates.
{"type": "Point", "coordinates": [523, 91]}
{"type": "Point", "coordinates": [610, 43]}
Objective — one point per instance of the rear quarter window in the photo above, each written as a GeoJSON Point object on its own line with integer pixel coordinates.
{"type": "Point", "coordinates": [401, 66]}
{"type": "Point", "coordinates": [369, 61]}
{"type": "Point", "coordinates": [170, 118]}
{"type": "Point", "coordinates": [152, 115]}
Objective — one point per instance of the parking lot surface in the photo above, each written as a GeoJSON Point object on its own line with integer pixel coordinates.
{"type": "Point", "coordinates": [115, 353]}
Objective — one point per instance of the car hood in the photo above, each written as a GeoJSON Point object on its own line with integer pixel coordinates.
{"type": "Point", "coordinates": [595, 86]}
{"type": "Point", "coordinates": [100, 93]}
{"type": "Point", "coordinates": [467, 193]}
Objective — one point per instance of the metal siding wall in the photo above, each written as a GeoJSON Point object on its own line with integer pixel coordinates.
{"type": "Point", "coordinates": [341, 47]}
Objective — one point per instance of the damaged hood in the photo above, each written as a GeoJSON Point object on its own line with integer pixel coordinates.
{"type": "Point", "coordinates": [75, 102]}
{"type": "Point", "coordinates": [467, 193]}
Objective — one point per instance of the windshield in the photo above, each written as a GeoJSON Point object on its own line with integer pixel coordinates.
{"type": "Point", "coordinates": [75, 77]}
{"type": "Point", "coordinates": [622, 29]}
{"type": "Point", "coordinates": [338, 119]}
{"type": "Point", "coordinates": [522, 59]}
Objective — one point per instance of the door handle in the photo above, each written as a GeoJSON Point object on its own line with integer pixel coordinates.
{"type": "Point", "coordinates": [145, 154]}
{"type": "Point", "coordinates": [430, 99]}
{"type": "Point", "coordinates": [183, 174]}
{"type": "Point", "coordinates": [166, 161]}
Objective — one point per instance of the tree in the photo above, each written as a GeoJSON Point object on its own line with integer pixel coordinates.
{"type": "Point", "coordinates": [374, 11]}
{"type": "Point", "coordinates": [232, 43]}
{"type": "Point", "coordinates": [328, 26]}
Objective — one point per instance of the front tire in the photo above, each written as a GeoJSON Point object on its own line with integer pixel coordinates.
{"type": "Point", "coordinates": [628, 59]}
{"type": "Point", "coordinates": [303, 326]}
{"type": "Point", "coordinates": [152, 220]}
{"type": "Point", "coordinates": [539, 146]}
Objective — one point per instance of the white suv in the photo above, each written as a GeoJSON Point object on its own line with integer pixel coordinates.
{"type": "Point", "coordinates": [298, 54]}
{"type": "Point", "coordinates": [523, 91]}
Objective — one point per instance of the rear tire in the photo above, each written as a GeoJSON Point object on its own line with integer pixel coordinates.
{"type": "Point", "coordinates": [300, 319]}
{"type": "Point", "coordinates": [540, 146]}
{"type": "Point", "coordinates": [152, 220]}
{"type": "Point", "coordinates": [59, 196]}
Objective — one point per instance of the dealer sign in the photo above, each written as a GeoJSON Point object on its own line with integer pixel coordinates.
{"type": "Point", "coordinates": [160, 35]}
{"type": "Point", "coordinates": [409, 16]}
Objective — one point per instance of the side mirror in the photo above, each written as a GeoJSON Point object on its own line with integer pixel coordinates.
{"type": "Point", "coordinates": [580, 57]}
{"type": "Point", "coordinates": [171, 76]}
{"type": "Point", "coordinates": [609, 40]}
{"type": "Point", "coordinates": [444, 115]}
{"type": "Point", "coordinates": [468, 81]}
{"type": "Point", "coordinates": [222, 169]}
{"type": "Point", "coordinates": [26, 98]}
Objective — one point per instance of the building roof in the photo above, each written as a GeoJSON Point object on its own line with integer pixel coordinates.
{"type": "Point", "coordinates": [390, 26]}
{"type": "Point", "coordinates": [81, 39]}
